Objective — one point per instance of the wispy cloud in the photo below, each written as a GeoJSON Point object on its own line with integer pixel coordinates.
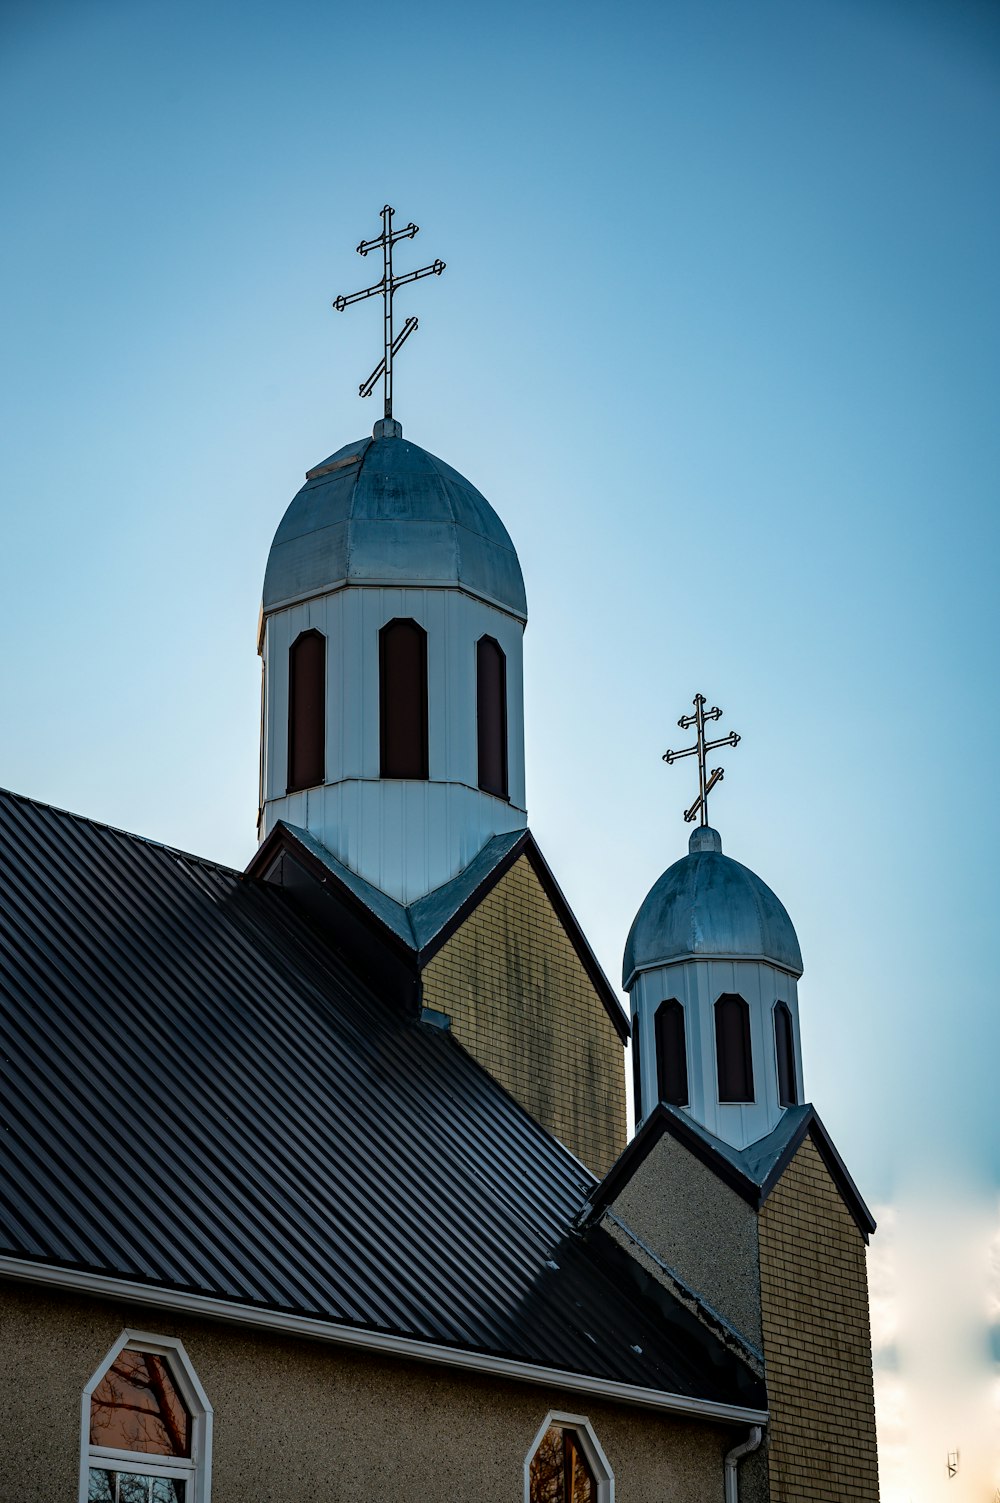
{"type": "Point", "coordinates": [934, 1272]}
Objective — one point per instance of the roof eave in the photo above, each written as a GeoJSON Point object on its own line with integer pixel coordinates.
{"type": "Point", "coordinates": [663, 1119]}
{"type": "Point", "coordinates": [254, 1316]}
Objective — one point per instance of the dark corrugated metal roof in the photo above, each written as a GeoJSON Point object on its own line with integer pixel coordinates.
{"type": "Point", "coordinates": [197, 1095]}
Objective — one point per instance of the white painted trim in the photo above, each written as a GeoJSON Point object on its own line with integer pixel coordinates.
{"type": "Point", "coordinates": [196, 1469]}
{"type": "Point", "coordinates": [337, 585]}
{"type": "Point", "coordinates": [505, 803]}
{"type": "Point", "coordinates": [734, 955]}
{"type": "Point", "coordinates": [375, 1341]}
{"type": "Point", "coordinates": [590, 1445]}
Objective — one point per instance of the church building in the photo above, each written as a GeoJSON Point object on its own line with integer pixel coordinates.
{"type": "Point", "coordinates": [315, 1178]}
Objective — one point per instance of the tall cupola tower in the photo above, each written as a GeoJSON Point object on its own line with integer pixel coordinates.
{"type": "Point", "coordinates": [391, 633]}
{"type": "Point", "coordinates": [391, 627]}
{"type": "Point", "coordinates": [711, 966]}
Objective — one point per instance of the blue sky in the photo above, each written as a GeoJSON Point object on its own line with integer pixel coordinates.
{"type": "Point", "coordinates": [718, 338]}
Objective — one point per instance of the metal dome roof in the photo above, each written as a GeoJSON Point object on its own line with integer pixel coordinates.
{"type": "Point", "coordinates": [707, 906]}
{"type": "Point", "coordinates": [384, 511]}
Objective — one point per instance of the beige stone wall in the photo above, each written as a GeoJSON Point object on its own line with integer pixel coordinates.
{"type": "Point", "coordinates": [298, 1420]}
{"type": "Point", "coordinates": [700, 1227]}
{"type": "Point", "coordinates": [521, 1002]}
{"type": "Point", "coordinates": [817, 1342]}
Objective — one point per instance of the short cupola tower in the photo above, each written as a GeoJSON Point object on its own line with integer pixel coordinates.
{"type": "Point", "coordinates": [711, 967]}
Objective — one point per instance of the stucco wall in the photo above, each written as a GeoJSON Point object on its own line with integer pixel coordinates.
{"type": "Point", "coordinates": [817, 1340]}
{"type": "Point", "coordinates": [520, 1000]}
{"type": "Point", "coordinates": [298, 1420]}
{"type": "Point", "coordinates": [700, 1227]}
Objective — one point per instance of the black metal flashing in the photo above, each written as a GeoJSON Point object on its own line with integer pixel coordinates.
{"type": "Point", "coordinates": [198, 1095]}
{"type": "Point", "coordinates": [752, 1172]}
{"type": "Point", "coordinates": [416, 933]}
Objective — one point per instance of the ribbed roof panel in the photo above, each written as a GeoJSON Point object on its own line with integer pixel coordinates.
{"type": "Point", "coordinates": [197, 1095]}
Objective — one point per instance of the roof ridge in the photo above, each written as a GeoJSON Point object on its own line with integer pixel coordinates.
{"type": "Point", "coordinates": [102, 824]}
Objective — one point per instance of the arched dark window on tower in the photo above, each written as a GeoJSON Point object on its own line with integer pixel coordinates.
{"type": "Point", "coordinates": [402, 654]}
{"type": "Point", "coordinates": [784, 1046]}
{"type": "Point", "coordinates": [491, 716]}
{"type": "Point", "coordinates": [307, 711]}
{"type": "Point", "coordinates": [671, 1053]}
{"type": "Point", "coordinates": [732, 1049]}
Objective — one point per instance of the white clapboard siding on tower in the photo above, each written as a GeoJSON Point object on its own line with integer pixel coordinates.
{"type": "Point", "coordinates": [697, 985]}
{"type": "Point", "coordinates": [406, 837]}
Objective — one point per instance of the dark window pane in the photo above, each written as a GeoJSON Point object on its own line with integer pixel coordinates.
{"type": "Point", "coordinates": [671, 1053]}
{"type": "Point", "coordinates": [133, 1488]}
{"type": "Point", "coordinates": [732, 1049]}
{"type": "Point", "coordinates": [785, 1049]}
{"type": "Point", "coordinates": [636, 1072]}
{"type": "Point", "coordinates": [307, 711]}
{"type": "Point", "coordinates": [167, 1490]}
{"type": "Point", "coordinates": [403, 700]}
{"type": "Point", "coordinates": [491, 716]}
{"type": "Point", "coordinates": [136, 1407]}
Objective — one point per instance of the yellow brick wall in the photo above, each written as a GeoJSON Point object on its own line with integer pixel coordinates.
{"type": "Point", "coordinates": [521, 1002]}
{"type": "Point", "coordinates": [817, 1341]}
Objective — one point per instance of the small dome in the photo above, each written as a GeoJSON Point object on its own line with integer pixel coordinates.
{"type": "Point", "coordinates": [707, 906]}
{"type": "Point", "coordinates": [383, 511]}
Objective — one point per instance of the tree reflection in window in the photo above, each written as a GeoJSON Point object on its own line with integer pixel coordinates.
{"type": "Point", "coordinates": [132, 1487]}
{"type": "Point", "coordinates": [136, 1407]}
{"type": "Point", "coordinates": [560, 1472]}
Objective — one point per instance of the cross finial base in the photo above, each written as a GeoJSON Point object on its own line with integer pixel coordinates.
{"type": "Point", "coordinates": [387, 428]}
{"type": "Point", "coordinates": [704, 838]}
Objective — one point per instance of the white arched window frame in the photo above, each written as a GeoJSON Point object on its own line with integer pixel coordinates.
{"type": "Point", "coordinates": [589, 1445]}
{"type": "Point", "coordinates": [196, 1470]}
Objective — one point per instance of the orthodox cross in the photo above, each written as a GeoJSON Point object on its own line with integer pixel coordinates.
{"type": "Point", "coordinates": [387, 286]}
{"type": "Point", "coordinates": [701, 748]}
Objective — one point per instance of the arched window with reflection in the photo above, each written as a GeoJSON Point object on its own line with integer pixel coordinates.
{"type": "Point", "coordinates": [307, 711]}
{"type": "Point", "coordinates": [402, 648]}
{"type": "Point", "coordinates": [491, 716]}
{"type": "Point", "coordinates": [671, 1053]}
{"type": "Point", "coordinates": [784, 1048]}
{"type": "Point", "coordinates": [567, 1465]}
{"type": "Point", "coordinates": [147, 1426]}
{"type": "Point", "coordinates": [733, 1055]}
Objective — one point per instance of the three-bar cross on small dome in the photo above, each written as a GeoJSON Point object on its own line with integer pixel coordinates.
{"type": "Point", "coordinates": [706, 781]}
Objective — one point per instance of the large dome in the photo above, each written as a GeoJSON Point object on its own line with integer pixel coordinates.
{"type": "Point", "coordinates": [707, 906]}
{"type": "Point", "coordinates": [384, 512]}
